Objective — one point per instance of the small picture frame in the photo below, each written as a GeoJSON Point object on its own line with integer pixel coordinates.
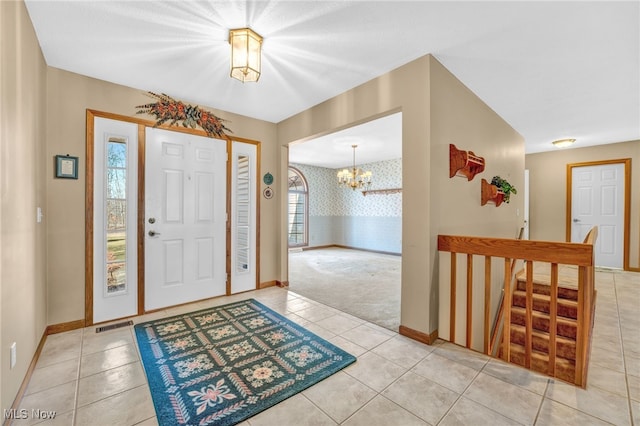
{"type": "Point", "coordinates": [66, 167]}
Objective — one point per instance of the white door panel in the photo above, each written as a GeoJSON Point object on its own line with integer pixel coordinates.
{"type": "Point", "coordinates": [115, 194]}
{"type": "Point", "coordinates": [598, 200]}
{"type": "Point", "coordinates": [186, 201]}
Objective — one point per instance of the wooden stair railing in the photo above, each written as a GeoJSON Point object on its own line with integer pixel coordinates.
{"type": "Point", "coordinates": [529, 349]}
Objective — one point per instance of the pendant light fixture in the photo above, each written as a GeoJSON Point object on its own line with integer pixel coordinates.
{"type": "Point", "coordinates": [246, 47]}
{"type": "Point", "coordinates": [355, 178]}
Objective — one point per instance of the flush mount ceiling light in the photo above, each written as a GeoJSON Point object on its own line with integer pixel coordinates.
{"type": "Point", "coordinates": [246, 46]}
{"type": "Point", "coordinates": [563, 143]}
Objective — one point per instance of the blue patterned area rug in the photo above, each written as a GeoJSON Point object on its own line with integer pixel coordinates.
{"type": "Point", "coordinates": [224, 364]}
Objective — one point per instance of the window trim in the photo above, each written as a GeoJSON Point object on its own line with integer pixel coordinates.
{"type": "Point", "coordinates": [305, 242]}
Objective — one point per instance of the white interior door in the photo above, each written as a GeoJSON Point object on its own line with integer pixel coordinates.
{"type": "Point", "coordinates": [115, 194]}
{"type": "Point", "coordinates": [185, 234]}
{"type": "Point", "coordinates": [243, 217]}
{"type": "Point", "coordinates": [598, 200]}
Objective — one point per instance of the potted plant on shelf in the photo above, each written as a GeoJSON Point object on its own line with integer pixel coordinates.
{"type": "Point", "coordinates": [504, 186]}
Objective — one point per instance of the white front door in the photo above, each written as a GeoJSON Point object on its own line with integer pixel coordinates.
{"type": "Point", "coordinates": [244, 172]}
{"type": "Point", "coordinates": [185, 208]}
{"type": "Point", "coordinates": [598, 200]}
{"type": "Point", "coordinates": [115, 194]}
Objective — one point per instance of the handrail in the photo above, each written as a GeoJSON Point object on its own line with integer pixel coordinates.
{"type": "Point", "coordinates": [555, 253]}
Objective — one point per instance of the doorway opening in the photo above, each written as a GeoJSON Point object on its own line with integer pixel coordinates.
{"type": "Point", "coordinates": [351, 256]}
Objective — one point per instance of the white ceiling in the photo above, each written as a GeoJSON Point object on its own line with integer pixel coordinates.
{"type": "Point", "coordinates": [551, 69]}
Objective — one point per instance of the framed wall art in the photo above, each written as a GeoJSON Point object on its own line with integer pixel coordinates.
{"type": "Point", "coordinates": [66, 167]}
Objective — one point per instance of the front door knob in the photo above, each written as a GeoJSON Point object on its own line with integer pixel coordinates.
{"type": "Point", "coordinates": [153, 233]}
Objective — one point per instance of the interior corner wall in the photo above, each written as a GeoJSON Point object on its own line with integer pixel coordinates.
{"type": "Point", "coordinates": [459, 117]}
{"type": "Point", "coordinates": [548, 190]}
{"type": "Point", "coordinates": [404, 89]}
{"type": "Point", "coordinates": [22, 189]}
{"type": "Point", "coordinates": [68, 97]}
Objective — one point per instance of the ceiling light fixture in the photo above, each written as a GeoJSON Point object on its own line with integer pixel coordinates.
{"type": "Point", "coordinates": [355, 178]}
{"type": "Point", "coordinates": [563, 143]}
{"type": "Point", "coordinates": [246, 46]}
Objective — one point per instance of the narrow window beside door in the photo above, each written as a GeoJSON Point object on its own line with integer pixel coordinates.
{"type": "Point", "coordinates": [116, 215]}
{"type": "Point", "coordinates": [243, 205]}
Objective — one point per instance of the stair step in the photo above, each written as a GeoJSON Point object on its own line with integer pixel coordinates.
{"type": "Point", "coordinates": [565, 369]}
{"type": "Point", "coordinates": [564, 327]}
{"type": "Point", "coordinates": [545, 288]}
{"type": "Point", "coordinates": [541, 302]}
{"type": "Point", "coordinates": [565, 348]}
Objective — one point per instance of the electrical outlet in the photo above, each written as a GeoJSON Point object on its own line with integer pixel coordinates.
{"type": "Point", "coordinates": [13, 354]}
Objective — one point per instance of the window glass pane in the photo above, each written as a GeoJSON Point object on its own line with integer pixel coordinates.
{"type": "Point", "coordinates": [116, 183]}
{"type": "Point", "coordinates": [116, 256]}
{"type": "Point", "coordinates": [116, 215]}
{"type": "Point", "coordinates": [116, 277]}
{"type": "Point", "coordinates": [117, 154]}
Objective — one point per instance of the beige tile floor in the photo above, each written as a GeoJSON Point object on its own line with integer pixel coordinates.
{"type": "Point", "coordinates": [97, 379]}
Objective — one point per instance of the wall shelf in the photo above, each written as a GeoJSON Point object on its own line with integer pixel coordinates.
{"type": "Point", "coordinates": [382, 191]}
{"type": "Point", "coordinates": [463, 163]}
{"type": "Point", "coordinates": [490, 193]}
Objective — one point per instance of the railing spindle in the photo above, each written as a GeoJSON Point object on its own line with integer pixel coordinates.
{"type": "Point", "coordinates": [469, 299]}
{"type": "Point", "coordinates": [452, 308]}
{"type": "Point", "coordinates": [528, 321]}
{"type": "Point", "coordinates": [581, 333]}
{"type": "Point", "coordinates": [487, 304]}
{"type": "Point", "coordinates": [553, 311]}
{"type": "Point", "coordinates": [506, 306]}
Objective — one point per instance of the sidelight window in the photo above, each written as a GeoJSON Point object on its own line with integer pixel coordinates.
{"type": "Point", "coordinates": [116, 215]}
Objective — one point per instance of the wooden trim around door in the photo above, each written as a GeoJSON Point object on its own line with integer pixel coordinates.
{"type": "Point", "coordinates": [89, 175]}
{"type": "Point", "coordinates": [142, 140]}
{"type": "Point", "coordinates": [627, 202]}
{"type": "Point", "coordinates": [88, 221]}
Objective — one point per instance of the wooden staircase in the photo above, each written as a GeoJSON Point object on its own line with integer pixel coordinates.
{"type": "Point", "coordinates": [566, 327]}
{"type": "Point", "coordinates": [544, 321]}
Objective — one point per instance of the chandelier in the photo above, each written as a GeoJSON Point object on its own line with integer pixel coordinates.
{"type": "Point", "coordinates": [245, 54]}
{"type": "Point", "coordinates": [355, 178]}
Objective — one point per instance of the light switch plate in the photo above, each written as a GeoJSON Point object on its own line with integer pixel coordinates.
{"type": "Point", "coordinates": [13, 354]}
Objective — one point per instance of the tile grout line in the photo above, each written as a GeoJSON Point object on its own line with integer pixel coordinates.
{"type": "Point", "coordinates": [624, 357]}
{"type": "Point", "coordinates": [461, 394]}
{"type": "Point", "coordinates": [74, 416]}
{"type": "Point", "coordinates": [544, 396]}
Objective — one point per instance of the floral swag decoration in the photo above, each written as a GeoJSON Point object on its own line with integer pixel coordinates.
{"type": "Point", "coordinates": [169, 109]}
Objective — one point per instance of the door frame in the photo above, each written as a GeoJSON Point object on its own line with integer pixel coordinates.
{"type": "Point", "coordinates": [89, 208]}
{"type": "Point", "coordinates": [627, 202]}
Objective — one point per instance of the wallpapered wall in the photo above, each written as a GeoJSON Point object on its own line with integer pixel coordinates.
{"type": "Point", "coordinates": [346, 217]}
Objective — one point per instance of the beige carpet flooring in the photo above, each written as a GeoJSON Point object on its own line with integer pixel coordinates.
{"type": "Point", "coordinates": [363, 284]}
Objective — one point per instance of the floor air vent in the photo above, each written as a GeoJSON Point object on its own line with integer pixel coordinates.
{"type": "Point", "coordinates": [112, 326]}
